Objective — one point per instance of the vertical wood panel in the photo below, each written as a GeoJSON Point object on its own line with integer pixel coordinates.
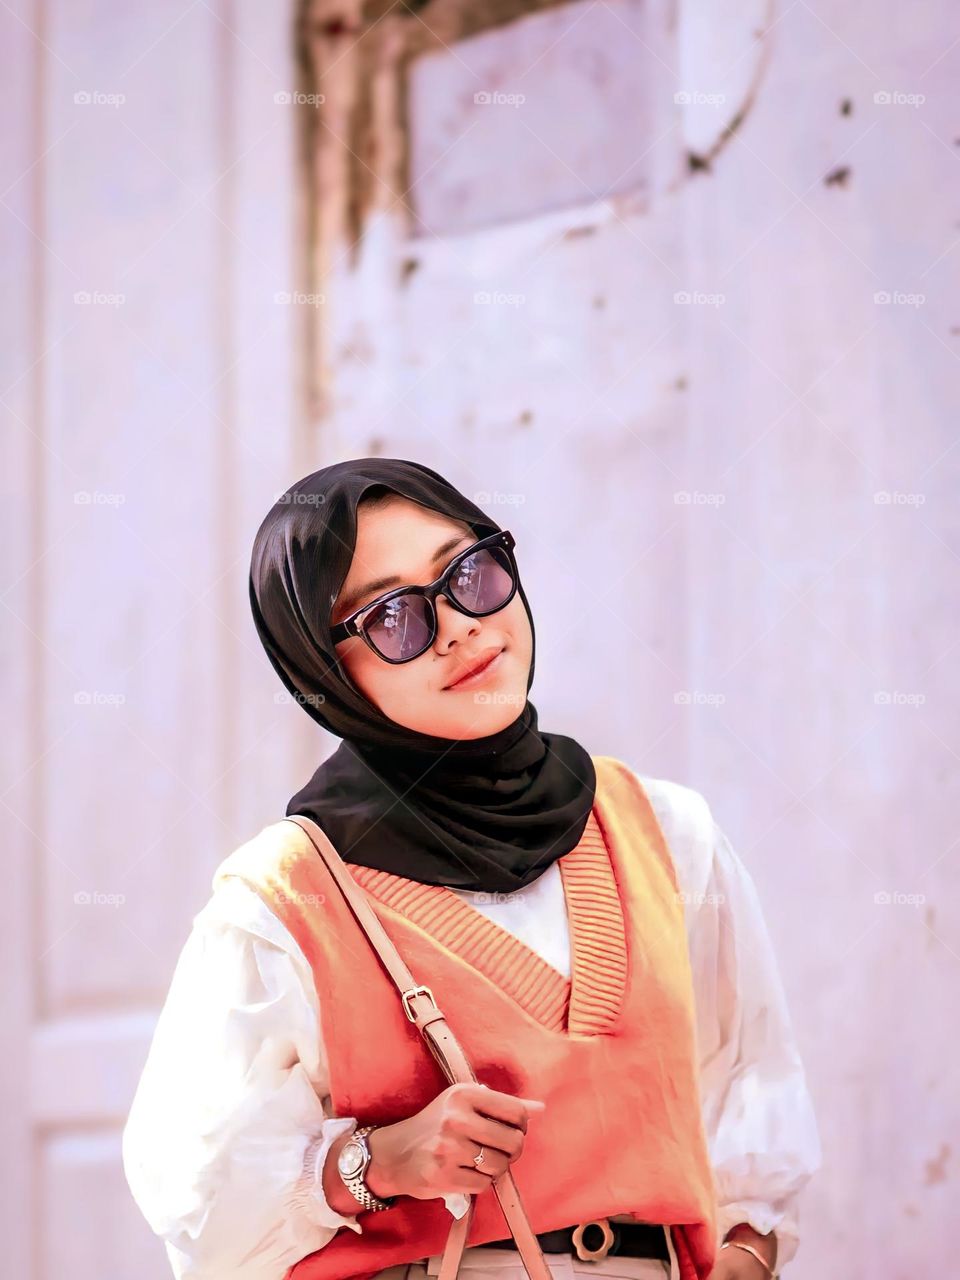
{"type": "Point", "coordinates": [150, 414]}
{"type": "Point", "coordinates": [273, 741]}
{"type": "Point", "coordinates": [24, 536]}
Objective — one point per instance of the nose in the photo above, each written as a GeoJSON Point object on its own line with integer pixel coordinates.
{"type": "Point", "coordinates": [452, 625]}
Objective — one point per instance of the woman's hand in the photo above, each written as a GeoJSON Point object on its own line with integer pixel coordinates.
{"type": "Point", "coordinates": [738, 1264]}
{"type": "Point", "coordinates": [431, 1153]}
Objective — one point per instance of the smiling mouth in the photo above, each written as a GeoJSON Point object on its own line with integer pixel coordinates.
{"type": "Point", "coordinates": [477, 674]}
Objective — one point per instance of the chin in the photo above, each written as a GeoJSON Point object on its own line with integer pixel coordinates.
{"type": "Point", "coordinates": [492, 717]}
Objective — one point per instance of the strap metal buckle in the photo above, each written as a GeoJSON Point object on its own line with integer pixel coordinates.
{"type": "Point", "coordinates": [586, 1254]}
{"type": "Point", "coordinates": [406, 996]}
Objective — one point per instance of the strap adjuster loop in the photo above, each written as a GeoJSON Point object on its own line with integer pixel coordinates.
{"type": "Point", "coordinates": [407, 996]}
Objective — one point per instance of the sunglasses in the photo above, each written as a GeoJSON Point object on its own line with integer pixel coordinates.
{"type": "Point", "coordinates": [402, 624]}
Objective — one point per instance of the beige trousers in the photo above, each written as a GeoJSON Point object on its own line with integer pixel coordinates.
{"type": "Point", "coordinates": [504, 1264]}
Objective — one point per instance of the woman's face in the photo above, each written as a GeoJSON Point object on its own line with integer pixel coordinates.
{"type": "Point", "coordinates": [400, 539]}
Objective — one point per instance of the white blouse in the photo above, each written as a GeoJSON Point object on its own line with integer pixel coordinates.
{"type": "Point", "coordinates": [224, 1145]}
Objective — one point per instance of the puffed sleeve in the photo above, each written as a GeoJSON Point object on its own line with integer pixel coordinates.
{"type": "Point", "coordinates": [758, 1114]}
{"type": "Point", "coordinates": [224, 1144]}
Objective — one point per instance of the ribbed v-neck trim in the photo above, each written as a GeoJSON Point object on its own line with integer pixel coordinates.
{"type": "Point", "coordinates": [586, 1003]}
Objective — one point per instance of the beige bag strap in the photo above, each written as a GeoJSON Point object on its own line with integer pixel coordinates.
{"type": "Point", "coordinates": [421, 1008]}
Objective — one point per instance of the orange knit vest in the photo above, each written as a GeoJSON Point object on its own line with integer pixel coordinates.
{"type": "Point", "coordinates": [611, 1050]}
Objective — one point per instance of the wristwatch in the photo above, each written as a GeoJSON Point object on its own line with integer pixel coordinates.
{"type": "Point", "coordinates": [352, 1164]}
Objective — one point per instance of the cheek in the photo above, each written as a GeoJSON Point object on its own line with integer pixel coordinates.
{"type": "Point", "coordinates": [517, 624]}
{"type": "Point", "coordinates": [361, 666]}
{"type": "Point", "coordinates": [386, 685]}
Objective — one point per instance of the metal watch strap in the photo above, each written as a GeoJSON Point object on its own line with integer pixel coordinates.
{"type": "Point", "coordinates": [357, 1186]}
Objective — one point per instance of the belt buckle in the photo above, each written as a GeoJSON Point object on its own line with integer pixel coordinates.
{"type": "Point", "coordinates": [586, 1254]}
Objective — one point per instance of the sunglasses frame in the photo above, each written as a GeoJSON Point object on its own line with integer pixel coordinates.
{"type": "Point", "coordinates": [353, 625]}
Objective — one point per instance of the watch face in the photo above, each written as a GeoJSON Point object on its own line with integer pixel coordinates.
{"type": "Point", "coordinates": [350, 1160]}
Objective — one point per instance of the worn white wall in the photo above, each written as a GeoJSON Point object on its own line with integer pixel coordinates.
{"type": "Point", "coordinates": [670, 376]}
{"type": "Point", "coordinates": [716, 399]}
{"type": "Point", "coordinates": [823, 592]}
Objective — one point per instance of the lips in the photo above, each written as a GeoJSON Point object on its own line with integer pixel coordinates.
{"type": "Point", "coordinates": [475, 665]}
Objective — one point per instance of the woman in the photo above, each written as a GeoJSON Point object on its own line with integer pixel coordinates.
{"type": "Point", "coordinates": [594, 942]}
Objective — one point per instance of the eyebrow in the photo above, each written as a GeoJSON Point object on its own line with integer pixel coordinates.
{"type": "Point", "coordinates": [350, 603]}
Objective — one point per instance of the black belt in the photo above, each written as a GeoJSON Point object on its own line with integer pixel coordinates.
{"type": "Point", "coordinates": [630, 1240]}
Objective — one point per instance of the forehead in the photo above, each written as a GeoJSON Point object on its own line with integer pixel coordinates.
{"type": "Point", "coordinates": [399, 538]}
{"type": "Point", "coordinates": [401, 530]}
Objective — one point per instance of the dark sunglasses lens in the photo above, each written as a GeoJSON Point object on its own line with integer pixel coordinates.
{"type": "Point", "coordinates": [484, 581]}
{"type": "Point", "coordinates": [401, 628]}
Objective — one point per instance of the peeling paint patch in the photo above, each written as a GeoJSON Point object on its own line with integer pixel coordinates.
{"type": "Point", "coordinates": [358, 53]}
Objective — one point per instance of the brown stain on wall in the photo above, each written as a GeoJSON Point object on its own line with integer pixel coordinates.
{"type": "Point", "coordinates": [353, 148]}
{"type": "Point", "coordinates": [359, 54]}
{"type": "Point", "coordinates": [935, 1171]}
{"type": "Point", "coordinates": [377, 42]}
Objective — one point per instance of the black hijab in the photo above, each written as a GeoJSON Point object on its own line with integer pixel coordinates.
{"type": "Point", "coordinates": [488, 813]}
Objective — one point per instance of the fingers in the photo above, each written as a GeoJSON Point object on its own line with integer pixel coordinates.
{"type": "Point", "coordinates": [494, 1162]}
{"type": "Point", "coordinates": [502, 1106]}
{"type": "Point", "coordinates": [495, 1135]}
{"type": "Point", "coordinates": [474, 1116]}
